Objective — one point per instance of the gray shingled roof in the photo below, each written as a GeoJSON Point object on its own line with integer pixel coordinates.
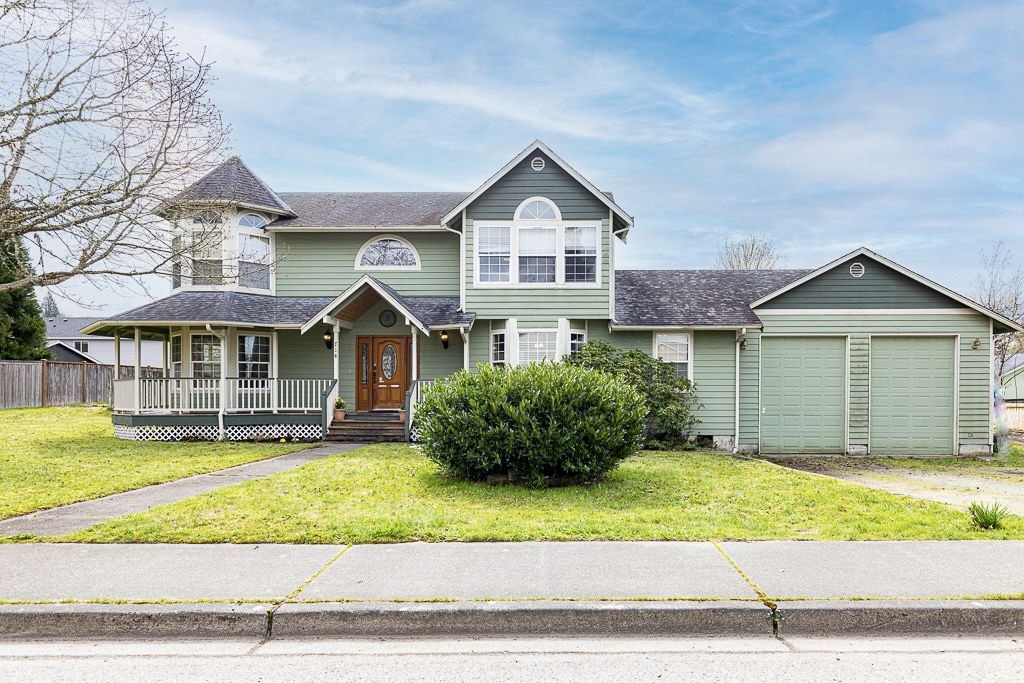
{"type": "Point", "coordinates": [67, 327]}
{"type": "Point", "coordinates": [233, 181]}
{"type": "Point", "coordinates": [694, 298]}
{"type": "Point", "coordinates": [231, 307]}
{"type": "Point", "coordinates": [433, 311]}
{"type": "Point", "coordinates": [367, 209]}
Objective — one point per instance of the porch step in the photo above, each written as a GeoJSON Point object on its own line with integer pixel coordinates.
{"type": "Point", "coordinates": [367, 431]}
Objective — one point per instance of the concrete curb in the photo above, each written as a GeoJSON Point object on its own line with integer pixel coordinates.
{"type": "Point", "coordinates": [136, 621]}
{"type": "Point", "coordinates": [454, 619]}
{"type": "Point", "coordinates": [895, 618]}
{"type": "Point", "coordinates": [521, 618]}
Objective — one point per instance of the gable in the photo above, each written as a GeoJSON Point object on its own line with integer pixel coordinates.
{"type": "Point", "coordinates": [521, 182]}
{"type": "Point", "coordinates": [879, 287]}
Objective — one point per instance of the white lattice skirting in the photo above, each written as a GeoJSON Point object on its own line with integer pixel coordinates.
{"type": "Point", "coordinates": [302, 432]}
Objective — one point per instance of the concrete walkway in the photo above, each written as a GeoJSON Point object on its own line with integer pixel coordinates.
{"type": "Point", "coordinates": [958, 488]}
{"type": "Point", "coordinates": [530, 587]}
{"type": "Point", "coordinates": [77, 516]}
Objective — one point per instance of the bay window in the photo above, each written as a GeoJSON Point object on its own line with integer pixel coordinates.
{"type": "Point", "coordinates": [675, 349]}
{"type": "Point", "coordinates": [253, 356]}
{"type": "Point", "coordinates": [253, 261]}
{"type": "Point", "coordinates": [205, 356]}
{"type": "Point", "coordinates": [176, 355]}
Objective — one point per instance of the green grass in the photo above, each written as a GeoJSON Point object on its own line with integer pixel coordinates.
{"type": "Point", "coordinates": [56, 456]}
{"type": "Point", "coordinates": [391, 493]}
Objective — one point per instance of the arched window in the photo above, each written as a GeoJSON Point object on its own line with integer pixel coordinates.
{"type": "Point", "coordinates": [537, 209]}
{"type": "Point", "coordinates": [252, 220]}
{"type": "Point", "coordinates": [387, 252]}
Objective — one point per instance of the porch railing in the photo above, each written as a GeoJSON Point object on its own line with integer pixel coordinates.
{"type": "Point", "coordinates": [201, 395]}
{"type": "Point", "coordinates": [414, 396]}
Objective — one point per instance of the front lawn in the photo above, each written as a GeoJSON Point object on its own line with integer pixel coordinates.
{"type": "Point", "coordinates": [391, 493]}
{"type": "Point", "coordinates": [56, 456]}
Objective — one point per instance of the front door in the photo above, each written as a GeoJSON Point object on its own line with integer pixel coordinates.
{"type": "Point", "coordinates": [382, 372]}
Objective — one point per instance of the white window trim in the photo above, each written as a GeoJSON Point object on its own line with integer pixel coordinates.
{"type": "Point", "coordinates": [230, 249]}
{"type": "Point", "coordinates": [689, 347]}
{"type": "Point", "coordinates": [253, 232]}
{"type": "Point", "coordinates": [572, 331]}
{"type": "Point", "coordinates": [490, 350]}
{"type": "Point", "coordinates": [559, 224]}
{"type": "Point", "coordinates": [376, 238]}
{"type": "Point", "coordinates": [238, 335]}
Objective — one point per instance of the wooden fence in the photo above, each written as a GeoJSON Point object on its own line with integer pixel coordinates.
{"type": "Point", "coordinates": [31, 384]}
{"type": "Point", "coordinates": [1014, 416]}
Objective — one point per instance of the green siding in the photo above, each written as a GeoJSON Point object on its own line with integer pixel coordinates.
{"type": "Point", "coordinates": [879, 287]}
{"type": "Point", "coordinates": [642, 340]}
{"type": "Point", "coordinates": [975, 392]}
{"type": "Point", "coordinates": [437, 361]}
{"type": "Point", "coordinates": [714, 373]}
{"type": "Point", "coordinates": [304, 356]}
{"type": "Point", "coordinates": [912, 396]}
{"type": "Point", "coordinates": [323, 264]}
{"type": "Point", "coordinates": [749, 387]}
{"type": "Point", "coordinates": [501, 199]}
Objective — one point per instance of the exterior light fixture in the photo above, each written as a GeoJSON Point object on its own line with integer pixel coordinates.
{"type": "Point", "coordinates": [444, 338]}
{"type": "Point", "coordinates": [328, 338]}
{"type": "Point", "coordinates": [976, 344]}
{"type": "Point", "coordinates": [743, 344]}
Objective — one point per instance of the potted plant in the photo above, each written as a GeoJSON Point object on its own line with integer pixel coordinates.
{"type": "Point", "coordinates": [339, 409]}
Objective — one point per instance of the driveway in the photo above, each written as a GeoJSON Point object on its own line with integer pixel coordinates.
{"type": "Point", "coordinates": [954, 486]}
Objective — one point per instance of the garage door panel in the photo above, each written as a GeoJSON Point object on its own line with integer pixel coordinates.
{"type": "Point", "coordinates": [803, 394]}
{"type": "Point", "coordinates": [913, 395]}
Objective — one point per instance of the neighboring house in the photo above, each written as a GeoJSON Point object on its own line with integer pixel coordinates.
{"type": "Point", "coordinates": [67, 342]}
{"type": "Point", "coordinates": [368, 295]}
{"type": "Point", "coordinates": [1011, 383]}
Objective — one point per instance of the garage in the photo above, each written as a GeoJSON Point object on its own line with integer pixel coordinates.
{"type": "Point", "coordinates": [913, 395]}
{"type": "Point", "coordinates": [803, 394]}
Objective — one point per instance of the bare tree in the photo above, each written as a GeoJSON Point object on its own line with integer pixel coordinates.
{"type": "Point", "coordinates": [753, 252]}
{"type": "Point", "coordinates": [102, 121]}
{"type": "Point", "coordinates": [1000, 287]}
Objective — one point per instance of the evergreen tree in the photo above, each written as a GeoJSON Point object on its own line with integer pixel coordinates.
{"type": "Point", "coordinates": [50, 309]}
{"type": "Point", "coordinates": [22, 329]}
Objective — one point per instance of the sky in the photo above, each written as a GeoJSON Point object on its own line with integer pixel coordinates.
{"type": "Point", "coordinates": [821, 124]}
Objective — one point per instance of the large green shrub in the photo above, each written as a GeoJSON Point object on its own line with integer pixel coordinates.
{"type": "Point", "coordinates": [671, 402]}
{"type": "Point", "coordinates": [542, 424]}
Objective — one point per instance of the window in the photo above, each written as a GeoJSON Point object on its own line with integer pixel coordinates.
{"type": "Point", "coordinates": [675, 349]}
{"type": "Point", "coordinates": [176, 257]}
{"type": "Point", "coordinates": [387, 252]}
{"type": "Point", "coordinates": [82, 346]}
{"type": "Point", "coordinates": [538, 248]}
{"type": "Point", "coordinates": [495, 249]}
{"type": "Point", "coordinates": [498, 348]}
{"type": "Point", "coordinates": [535, 347]}
{"type": "Point", "coordinates": [176, 355]}
{"type": "Point", "coordinates": [581, 254]}
{"type": "Point", "coordinates": [253, 356]}
{"type": "Point", "coordinates": [537, 254]}
{"type": "Point", "coordinates": [205, 356]}
{"type": "Point", "coordinates": [538, 209]}
{"type": "Point", "coordinates": [252, 220]}
{"type": "Point", "coordinates": [577, 339]}
{"type": "Point", "coordinates": [254, 261]}
{"type": "Point", "coordinates": [208, 260]}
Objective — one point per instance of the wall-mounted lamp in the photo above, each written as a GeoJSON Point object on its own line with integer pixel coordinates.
{"type": "Point", "coordinates": [743, 344]}
{"type": "Point", "coordinates": [444, 338]}
{"type": "Point", "coordinates": [328, 338]}
{"type": "Point", "coordinates": [976, 344]}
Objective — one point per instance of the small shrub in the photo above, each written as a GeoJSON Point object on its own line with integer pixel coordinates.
{"type": "Point", "coordinates": [544, 423]}
{"type": "Point", "coordinates": [670, 402]}
{"type": "Point", "coordinates": [987, 516]}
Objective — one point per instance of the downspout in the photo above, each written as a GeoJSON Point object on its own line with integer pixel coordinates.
{"type": "Point", "coordinates": [736, 409]}
{"type": "Point", "coordinates": [223, 379]}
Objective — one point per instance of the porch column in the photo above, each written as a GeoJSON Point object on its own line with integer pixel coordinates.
{"type": "Point", "coordinates": [275, 382]}
{"type": "Point", "coordinates": [336, 352]}
{"type": "Point", "coordinates": [138, 369]}
{"type": "Point", "coordinates": [415, 374]}
{"type": "Point", "coordinates": [465, 348]}
{"type": "Point", "coordinates": [117, 355]}
{"type": "Point", "coordinates": [166, 352]}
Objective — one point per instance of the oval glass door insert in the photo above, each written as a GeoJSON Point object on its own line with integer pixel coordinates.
{"type": "Point", "coordinates": [388, 360]}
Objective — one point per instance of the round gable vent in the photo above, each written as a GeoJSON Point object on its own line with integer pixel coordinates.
{"type": "Point", "coordinates": [856, 269]}
{"type": "Point", "coordinates": [537, 164]}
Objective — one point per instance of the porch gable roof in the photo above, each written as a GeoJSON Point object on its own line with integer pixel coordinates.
{"type": "Point", "coordinates": [425, 312]}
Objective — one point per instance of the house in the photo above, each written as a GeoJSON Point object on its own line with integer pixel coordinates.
{"type": "Point", "coordinates": [1011, 382]}
{"type": "Point", "coordinates": [300, 297]}
{"type": "Point", "coordinates": [67, 342]}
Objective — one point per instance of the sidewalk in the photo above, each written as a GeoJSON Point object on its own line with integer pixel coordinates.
{"type": "Point", "coordinates": [67, 519]}
{"type": "Point", "coordinates": [576, 588]}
